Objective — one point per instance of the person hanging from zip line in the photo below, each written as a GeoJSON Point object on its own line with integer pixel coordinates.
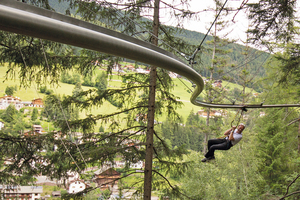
{"type": "Point", "coordinates": [233, 136]}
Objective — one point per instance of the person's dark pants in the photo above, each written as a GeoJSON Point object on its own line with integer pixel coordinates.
{"type": "Point", "coordinates": [217, 144]}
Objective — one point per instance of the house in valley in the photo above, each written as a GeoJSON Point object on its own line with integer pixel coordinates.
{"type": "Point", "coordinates": [106, 177]}
{"type": "Point", "coordinates": [6, 100]}
{"type": "Point", "coordinates": [21, 192]}
{"type": "Point", "coordinates": [77, 186]}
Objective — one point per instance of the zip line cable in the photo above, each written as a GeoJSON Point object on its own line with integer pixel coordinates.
{"type": "Point", "coordinates": [47, 114]}
{"type": "Point", "coordinates": [255, 74]}
{"type": "Point", "coordinates": [192, 58]}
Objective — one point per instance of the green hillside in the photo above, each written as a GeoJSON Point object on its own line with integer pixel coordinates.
{"type": "Point", "coordinates": [180, 90]}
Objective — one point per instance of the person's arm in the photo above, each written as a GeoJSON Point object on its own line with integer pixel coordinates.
{"type": "Point", "coordinates": [229, 130]}
{"type": "Point", "coordinates": [231, 138]}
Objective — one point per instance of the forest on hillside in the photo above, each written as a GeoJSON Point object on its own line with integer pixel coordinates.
{"type": "Point", "coordinates": [263, 165]}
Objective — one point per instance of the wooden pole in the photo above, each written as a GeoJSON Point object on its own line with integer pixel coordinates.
{"type": "Point", "coordinates": [151, 112]}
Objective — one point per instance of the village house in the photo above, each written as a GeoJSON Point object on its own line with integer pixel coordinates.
{"type": "Point", "coordinates": [77, 186]}
{"type": "Point", "coordinates": [117, 68]}
{"type": "Point", "coordinates": [21, 192]}
{"type": "Point", "coordinates": [37, 103]}
{"type": "Point", "coordinates": [142, 71]}
{"type": "Point", "coordinates": [129, 67]}
{"type": "Point", "coordinates": [36, 131]}
{"type": "Point", "coordinates": [72, 176]}
{"type": "Point", "coordinates": [106, 177]}
{"type": "Point", "coordinates": [217, 83]}
{"type": "Point", "coordinates": [6, 100]}
{"type": "Point", "coordinates": [37, 128]}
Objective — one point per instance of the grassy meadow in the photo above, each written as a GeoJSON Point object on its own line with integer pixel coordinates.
{"type": "Point", "coordinates": [27, 94]}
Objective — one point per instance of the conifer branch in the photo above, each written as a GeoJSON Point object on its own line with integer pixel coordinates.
{"type": "Point", "coordinates": [287, 189]}
{"type": "Point", "coordinates": [126, 137]}
{"type": "Point", "coordinates": [114, 134]}
{"type": "Point", "coordinates": [117, 113]}
{"type": "Point", "coordinates": [183, 11]}
{"type": "Point", "coordinates": [171, 186]}
{"type": "Point", "coordinates": [9, 47]}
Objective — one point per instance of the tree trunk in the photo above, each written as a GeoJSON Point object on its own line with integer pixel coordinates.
{"type": "Point", "coordinates": [151, 111]}
{"type": "Point", "coordinates": [299, 138]}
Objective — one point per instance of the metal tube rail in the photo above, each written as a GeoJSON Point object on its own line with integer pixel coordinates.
{"type": "Point", "coordinates": [29, 20]}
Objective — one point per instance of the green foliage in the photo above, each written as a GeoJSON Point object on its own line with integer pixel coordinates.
{"type": "Point", "coordinates": [76, 92]}
{"type": "Point", "coordinates": [10, 90]}
{"type": "Point", "coordinates": [101, 81]}
{"type": "Point", "coordinates": [265, 16]}
{"type": "Point", "coordinates": [276, 149]}
{"type": "Point", "coordinates": [10, 114]}
{"type": "Point", "coordinates": [26, 52]}
{"type": "Point", "coordinates": [288, 63]}
{"type": "Point", "coordinates": [34, 114]}
{"type": "Point", "coordinates": [231, 176]}
{"type": "Point", "coordinates": [43, 89]}
{"type": "Point", "coordinates": [87, 81]}
{"type": "Point", "coordinates": [70, 79]}
{"type": "Point", "coordinates": [101, 129]}
{"type": "Point", "coordinates": [106, 194]}
{"type": "Point", "coordinates": [189, 134]}
{"type": "Point", "coordinates": [58, 112]}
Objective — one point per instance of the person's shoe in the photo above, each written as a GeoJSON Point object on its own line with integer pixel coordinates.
{"type": "Point", "coordinates": [211, 158]}
{"type": "Point", "coordinates": [208, 159]}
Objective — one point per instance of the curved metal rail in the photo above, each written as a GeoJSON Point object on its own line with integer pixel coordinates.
{"type": "Point", "coordinates": [29, 20]}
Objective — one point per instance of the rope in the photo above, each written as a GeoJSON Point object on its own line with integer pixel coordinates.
{"type": "Point", "coordinates": [242, 110]}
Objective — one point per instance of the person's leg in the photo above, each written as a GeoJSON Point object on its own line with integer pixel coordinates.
{"type": "Point", "coordinates": [218, 145]}
{"type": "Point", "coordinates": [215, 141]}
